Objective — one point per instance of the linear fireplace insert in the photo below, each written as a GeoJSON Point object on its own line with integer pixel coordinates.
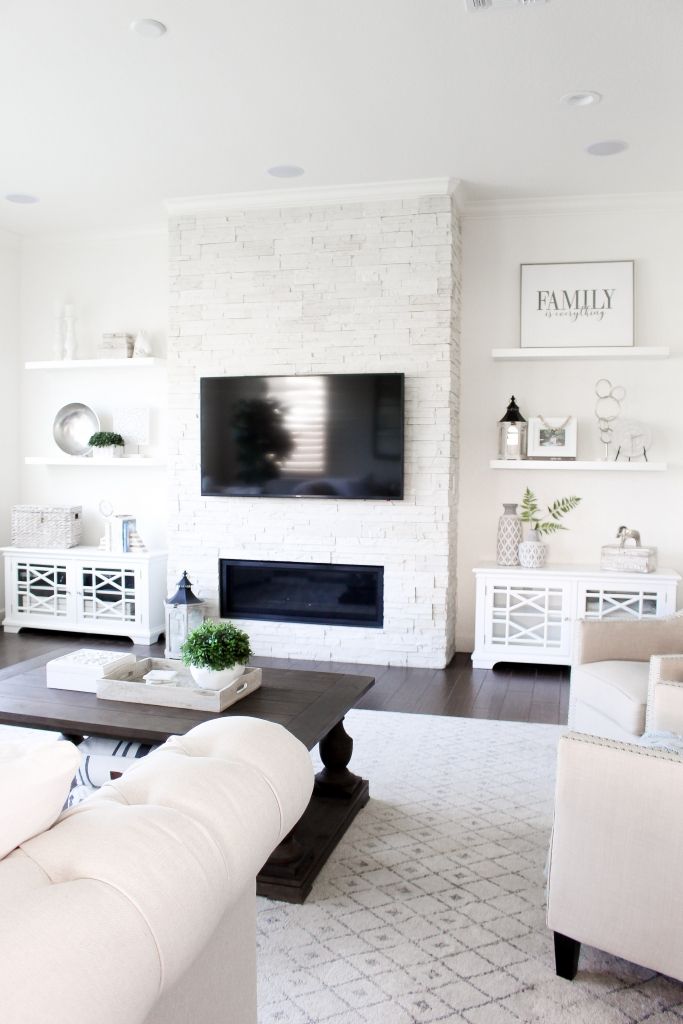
{"type": "Point", "coordinates": [317, 592]}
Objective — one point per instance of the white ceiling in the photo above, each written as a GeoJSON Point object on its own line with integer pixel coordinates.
{"type": "Point", "coordinates": [104, 125]}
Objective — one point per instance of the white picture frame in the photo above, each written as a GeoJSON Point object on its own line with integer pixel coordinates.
{"type": "Point", "coordinates": [132, 423]}
{"type": "Point", "coordinates": [552, 437]}
{"type": "Point", "coordinates": [577, 305]}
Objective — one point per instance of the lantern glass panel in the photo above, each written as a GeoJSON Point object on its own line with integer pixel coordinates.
{"type": "Point", "coordinates": [512, 440]}
{"type": "Point", "coordinates": [181, 619]}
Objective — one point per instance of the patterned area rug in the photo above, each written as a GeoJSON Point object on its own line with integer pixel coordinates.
{"type": "Point", "coordinates": [432, 907]}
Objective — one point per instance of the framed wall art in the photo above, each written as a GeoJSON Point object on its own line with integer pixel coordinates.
{"type": "Point", "coordinates": [576, 305]}
{"type": "Point", "coordinates": [551, 437]}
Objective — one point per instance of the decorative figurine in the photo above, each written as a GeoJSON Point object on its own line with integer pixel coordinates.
{"type": "Point", "coordinates": [142, 348]}
{"type": "Point", "coordinates": [624, 534]}
{"type": "Point", "coordinates": [607, 408]}
{"type": "Point", "coordinates": [69, 333]}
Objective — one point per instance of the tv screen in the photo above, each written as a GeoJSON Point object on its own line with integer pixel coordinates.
{"type": "Point", "coordinates": [328, 436]}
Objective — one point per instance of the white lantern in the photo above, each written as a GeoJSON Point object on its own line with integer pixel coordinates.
{"type": "Point", "coordinates": [184, 612]}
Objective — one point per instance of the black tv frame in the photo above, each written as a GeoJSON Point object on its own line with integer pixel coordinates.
{"type": "Point", "coordinates": [302, 497]}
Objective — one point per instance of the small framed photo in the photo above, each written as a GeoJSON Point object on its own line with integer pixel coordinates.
{"type": "Point", "coordinates": [551, 437]}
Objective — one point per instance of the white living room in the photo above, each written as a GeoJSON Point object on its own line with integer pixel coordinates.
{"type": "Point", "coordinates": [341, 666]}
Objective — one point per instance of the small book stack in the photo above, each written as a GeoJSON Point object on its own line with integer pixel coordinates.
{"type": "Point", "coordinates": [120, 535]}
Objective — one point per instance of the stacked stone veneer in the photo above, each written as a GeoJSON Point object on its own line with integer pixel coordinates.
{"type": "Point", "coordinates": [350, 288]}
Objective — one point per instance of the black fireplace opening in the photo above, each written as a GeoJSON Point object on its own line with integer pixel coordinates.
{"type": "Point", "coordinates": [317, 592]}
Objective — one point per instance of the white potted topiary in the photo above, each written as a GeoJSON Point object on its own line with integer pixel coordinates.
{"type": "Point", "coordinates": [106, 445]}
{"type": "Point", "coordinates": [216, 654]}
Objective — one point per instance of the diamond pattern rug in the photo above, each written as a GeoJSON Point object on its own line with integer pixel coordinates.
{"type": "Point", "coordinates": [432, 908]}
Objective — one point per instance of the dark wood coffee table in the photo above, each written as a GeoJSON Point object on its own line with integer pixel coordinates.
{"type": "Point", "coordinates": [310, 705]}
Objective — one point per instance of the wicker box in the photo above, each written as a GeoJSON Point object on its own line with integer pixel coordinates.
{"type": "Point", "coordinates": [628, 559]}
{"type": "Point", "coordinates": [46, 526]}
{"type": "Point", "coordinates": [118, 346]}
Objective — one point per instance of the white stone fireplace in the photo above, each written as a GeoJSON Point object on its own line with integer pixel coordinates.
{"type": "Point", "coordinates": [320, 282]}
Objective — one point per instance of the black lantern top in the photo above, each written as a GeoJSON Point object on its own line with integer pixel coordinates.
{"type": "Point", "coordinates": [512, 414]}
{"type": "Point", "coordinates": [183, 594]}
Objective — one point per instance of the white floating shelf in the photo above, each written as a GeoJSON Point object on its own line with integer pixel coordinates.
{"type": "Point", "coordinates": [562, 465]}
{"type": "Point", "coordinates": [86, 460]}
{"type": "Point", "coordinates": [611, 352]}
{"type": "Point", "coordinates": [85, 364]}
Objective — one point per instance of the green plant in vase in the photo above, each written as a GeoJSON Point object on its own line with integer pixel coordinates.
{"type": "Point", "coordinates": [216, 654]}
{"type": "Point", "coordinates": [542, 523]}
{"type": "Point", "coordinates": [106, 443]}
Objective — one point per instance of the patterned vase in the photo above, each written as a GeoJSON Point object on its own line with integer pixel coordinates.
{"type": "Point", "coordinates": [509, 536]}
{"type": "Point", "coordinates": [532, 551]}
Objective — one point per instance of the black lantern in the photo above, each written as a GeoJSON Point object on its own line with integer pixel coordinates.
{"type": "Point", "coordinates": [184, 612]}
{"type": "Point", "coordinates": [512, 433]}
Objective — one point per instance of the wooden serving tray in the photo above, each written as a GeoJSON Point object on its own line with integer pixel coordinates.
{"type": "Point", "coordinates": [129, 685]}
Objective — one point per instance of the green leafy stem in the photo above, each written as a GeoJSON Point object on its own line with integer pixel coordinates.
{"type": "Point", "coordinates": [532, 514]}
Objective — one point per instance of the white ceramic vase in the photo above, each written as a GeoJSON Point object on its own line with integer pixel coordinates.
{"type": "Point", "coordinates": [69, 333]}
{"type": "Point", "coordinates": [509, 536]}
{"type": "Point", "coordinates": [210, 679]}
{"type": "Point", "coordinates": [532, 551]}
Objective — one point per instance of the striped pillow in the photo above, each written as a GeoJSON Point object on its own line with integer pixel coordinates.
{"type": "Point", "coordinates": [103, 760]}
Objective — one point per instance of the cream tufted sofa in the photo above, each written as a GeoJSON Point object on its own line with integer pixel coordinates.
{"type": "Point", "coordinates": [139, 904]}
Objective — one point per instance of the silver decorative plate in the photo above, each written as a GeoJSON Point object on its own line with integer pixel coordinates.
{"type": "Point", "coordinates": [73, 427]}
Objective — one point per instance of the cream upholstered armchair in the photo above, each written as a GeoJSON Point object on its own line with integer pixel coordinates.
{"type": "Point", "coordinates": [614, 878]}
{"type": "Point", "coordinates": [624, 672]}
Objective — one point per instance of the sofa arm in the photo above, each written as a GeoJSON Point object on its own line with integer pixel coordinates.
{"type": "Point", "coordinates": [128, 887]}
{"type": "Point", "coordinates": [627, 640]}
{"type": "Point", "coordinates": [665, 694]}
{"type": "Point", "coordinates": [615, 852]}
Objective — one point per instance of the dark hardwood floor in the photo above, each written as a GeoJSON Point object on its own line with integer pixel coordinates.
{"type": "Point", "coordinates": [516, 693]}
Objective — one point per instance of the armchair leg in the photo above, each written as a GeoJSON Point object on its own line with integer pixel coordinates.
{"type": "Point", "coordinates": [566, 956]}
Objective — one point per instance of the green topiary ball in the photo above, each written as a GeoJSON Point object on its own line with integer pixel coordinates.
{"type": "Point", "coordinates": [216, 645]}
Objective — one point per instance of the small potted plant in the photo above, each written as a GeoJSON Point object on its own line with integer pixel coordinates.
{"type": "Point", "coordinates": [216, 654]}
{"type": "Point", "coordinates": [106, 444]}
{"type": "Point", "coordinates": [532, 551]}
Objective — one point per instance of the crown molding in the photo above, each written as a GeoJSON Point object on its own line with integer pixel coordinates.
{"type": "Point", "coordinates": [559, 206]}
{"type": "Point", "coordinates": [321, 195]}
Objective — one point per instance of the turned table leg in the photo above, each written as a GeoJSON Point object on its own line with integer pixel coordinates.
{"type": "Point", "coordinates": [335, 779]}
{"type": "Point", "coordinates": [338, 796]}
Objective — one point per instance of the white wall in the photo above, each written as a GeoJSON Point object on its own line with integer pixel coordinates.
{"type": "Point", "coordinates": [115, 284]}
{"type": "Point", "coordinates": [9, 385]}
{"type": "Point", "coordinates": [353, 287]}
{"type": "Point", "coordinates": [495, 243]}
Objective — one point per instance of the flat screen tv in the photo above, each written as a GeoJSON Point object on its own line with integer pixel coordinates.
{"type": "Point", "coordinates": [328, 436]}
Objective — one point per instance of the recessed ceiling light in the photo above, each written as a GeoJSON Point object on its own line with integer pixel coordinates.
{"type": "Point", "coordinates": [148, 27]}
{"type": "Point", "coordinates": [22, 197]}
{"type": "Point", "coordinates": [607, 148]}
{"type": "Point", "coordinates": [286, 171]}
{"type": "Point", "coordinates": [581, 99]}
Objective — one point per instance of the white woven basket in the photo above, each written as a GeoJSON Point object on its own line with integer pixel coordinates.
{"type": "Point", "coordinates": [46, 526]}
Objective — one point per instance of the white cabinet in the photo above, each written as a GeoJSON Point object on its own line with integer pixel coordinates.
{"type": "Point", "coordinates": [528, 615]}
{"type": "Point", "coordinates": [86, 590]}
